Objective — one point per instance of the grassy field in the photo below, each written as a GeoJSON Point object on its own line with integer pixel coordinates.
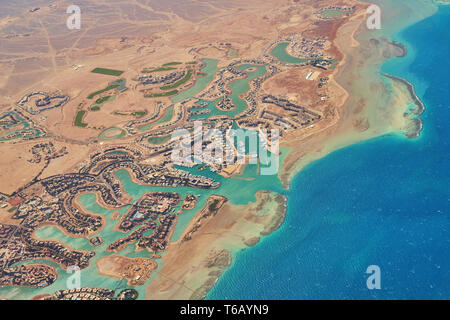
{"type": "Point", "coordinates": [171, 64]}
{"type": "Point", "coordinates": [108, 72]}
{"type": "Point", "coordinates": [110, 87]}
{"type": "Point", "coordinates": [162, 94]}
{"type": "Point", "coordinates": [159, 69]}
{"type": "Point", "coordinates": [79, 119]}
{"type": "Point", "coordinates": [137, 114]}
{"type": "Point", "coordinates": [102, 100]}
{"type": "Point", "coordinates": [186, 78]}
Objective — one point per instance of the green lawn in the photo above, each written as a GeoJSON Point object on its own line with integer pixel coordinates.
{"type": "Point", "coordinates": [108, 72]}
{"type": "Point", "coordinates": [186, 78]}
{"type": "Point", "coordinates": [139, 113]}
{"type": "Point", "coordinates": [159, 69]}
{"type": "Point", "coordinates": [79, 119]}
{"type": "Point", "coordinates": [172, 64]}
{"type": "Point", "coordinates": [162, 94]}
{"type": "Point", "coordinates": [110, 87]}
{"type": "Point", "coordinates": [102, 100]}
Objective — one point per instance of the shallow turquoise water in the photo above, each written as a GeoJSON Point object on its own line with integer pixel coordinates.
{"type": "Point", "coordinates": [281, 54]}
{"type": "Point", "coordinates": [117, 136]}
{"type": "Point", "coordinates": [237, 88]}
{"type": "Point", "coordinates": [210, 68]}
{"type": "Point", "coordinates": [383, 202]}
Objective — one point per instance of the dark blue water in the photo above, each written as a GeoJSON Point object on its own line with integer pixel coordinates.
{"type": "Point", "coordinates": [384, 202]}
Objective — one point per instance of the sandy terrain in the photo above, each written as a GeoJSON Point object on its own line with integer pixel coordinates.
{"type": "Point", "coordinates": [356, 117]}
{"type": "Point", "coordinates": [135, 270]}
{"type": "Point", "coordinates": [68, 68]}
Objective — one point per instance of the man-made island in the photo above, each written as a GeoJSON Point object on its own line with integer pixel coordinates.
{"type": "Point", "coordinates": [88, 178]}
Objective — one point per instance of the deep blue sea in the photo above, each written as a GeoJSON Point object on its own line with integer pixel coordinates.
{"type": "Point", "coordinates": [383, 202]}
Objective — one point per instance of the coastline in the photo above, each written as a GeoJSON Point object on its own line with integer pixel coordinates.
{"type": "Point", "coordinates": [312, 146]}
{"type": "Point", "coordinates": [357, 120]}
{"type": "Point", "coordinates": [193, 264]}
{"type": "Point", "coordinates": [401, 47]}
{"type": "Point", "coordinates": [346, 137]}
{"type": "Point", "coordinates": [366, 100]}
{"type": "Point", "coordinates": [414, 124]}
{"type": "Point", "coordinates": [420, 105]}
{"type": "Point", "coordinates": [340, 134]}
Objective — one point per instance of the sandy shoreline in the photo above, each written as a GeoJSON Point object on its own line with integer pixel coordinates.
{"type": "Point", "coordinates": [314, 147]}
{"type": "Point", "coordinates": [340, 133]}
{"type": "Point", "coordinates": [362, 107]}
{"type": "Point", "coordinates": [362, 111]}
{"type": "Point", "coordinates": [191, 268]}
{"type": "Point", "coordinates": [194, 263]}
{"type": "Point", "coordinates": [420, 105]}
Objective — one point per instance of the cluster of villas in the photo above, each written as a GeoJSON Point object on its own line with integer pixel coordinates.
{"type": "Point", "coordinates": [332, 12]}
{"type": "Point", "coordinates": [42, 102]}
{"type": "Point", "coordinates": [164, 80]}
{"type": "Point", "coordinates": [92, 294]}
{"type": "Point", "coordinates": [36, 276]}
